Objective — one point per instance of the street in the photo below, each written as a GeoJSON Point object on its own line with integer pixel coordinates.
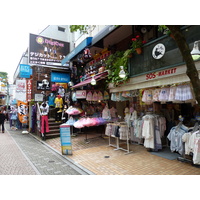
{"type": "Point", "coordinates": [22, 154]}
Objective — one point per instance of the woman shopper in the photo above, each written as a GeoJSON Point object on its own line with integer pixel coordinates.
{"type": "Point", "coordinates": [2, 119]}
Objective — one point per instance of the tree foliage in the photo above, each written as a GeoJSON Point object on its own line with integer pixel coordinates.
{"type": "Point", "coordinates": [191, 70]}
{"type": "Point", "coordinates": [81, 28]}
{"type": "Point", "coordinates": [3, 75]}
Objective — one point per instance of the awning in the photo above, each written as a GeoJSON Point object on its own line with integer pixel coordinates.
{"type": "Point", "coordinates": [87, 81]}
{"type": "Point", "coordinates": [96, 40]}
{"type": "Point", "coordinates": [77, 50]}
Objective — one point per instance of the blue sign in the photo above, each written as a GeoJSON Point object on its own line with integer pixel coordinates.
{"type": "Point", "coordinates": [25, 71]}
{"type": "Point", "coordinates": [60, 77]}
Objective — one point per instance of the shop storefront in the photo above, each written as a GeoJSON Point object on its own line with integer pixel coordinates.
{"type": "Point", "coordinates": [144, 110]}
{"type": "Point", "coordinates": [159, 109]}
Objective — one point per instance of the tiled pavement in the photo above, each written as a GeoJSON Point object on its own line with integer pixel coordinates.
{"type": "Point", "coordinates": [12, 160]}
{"type": "Point", "coordinates": [102, 159]}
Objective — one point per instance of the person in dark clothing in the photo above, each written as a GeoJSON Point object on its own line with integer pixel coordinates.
{"type": "Point", "coordinates": [2, 119]}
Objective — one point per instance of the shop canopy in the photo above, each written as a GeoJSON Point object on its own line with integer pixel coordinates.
{"type": "Point", "coordinates": [87, 81]}
{"type": "Point", "coordinates": [77, 50]}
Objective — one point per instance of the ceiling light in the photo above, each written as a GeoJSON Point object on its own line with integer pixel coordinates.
{"type": "Point", "coordinates": [93, 81]}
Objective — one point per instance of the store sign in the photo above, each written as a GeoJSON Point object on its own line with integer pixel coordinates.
{"type": "Point", "coordinates": [20, 92]}
{"type": "Point", "coordinates": [25, 71]}
{"type": "Point", "coordinates": [60, 77]}
{"type": "Point", "coordinates": [29, 90]}
{"type": "Point", "coordinates": [65, 138]}
{"type": "Point", "coordinates": [46, 51]}
{"type": "Point", "coordinates": [39, 97]}
{"type": "Point", "coordinates": [81, 94]}
{"type": "Point", "coordinates": [154, 75]}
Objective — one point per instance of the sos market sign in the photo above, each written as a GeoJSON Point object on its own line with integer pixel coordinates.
{"type": "Point", "coordinates": [154, 75]}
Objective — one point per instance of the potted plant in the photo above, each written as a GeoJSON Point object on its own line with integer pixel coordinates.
{"type": "Point", "coordinates": [137, 44]}
{"type": "Point", "coordinates": [128, 53]}
{"type": "Point", "coordinates": [164, 29]}
{"type": "Point", "coordinates": [113, 64]}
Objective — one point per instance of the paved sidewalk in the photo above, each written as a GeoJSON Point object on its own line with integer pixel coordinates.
{"type": "Point", "coordinates": [99, 158]}
{"type": "Point", "coordinates": [43, 158]}
{"type": "Point", "coordinates": [102, 159]}
{"type": "Point", "coordinates": [12, 160]}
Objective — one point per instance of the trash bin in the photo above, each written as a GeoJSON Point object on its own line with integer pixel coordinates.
{"type": "Point", "coordinates": [65, 138]}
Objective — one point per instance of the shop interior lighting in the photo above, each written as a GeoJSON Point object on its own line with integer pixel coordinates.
{"type": "Point", "coordinates": [122, 73]}
{"type": "Point", "coordinates": [71, 84]}
{"type": "Point", "coordinates": [195, 51]}
{"type": "Point", "coordinates": [93, 81]}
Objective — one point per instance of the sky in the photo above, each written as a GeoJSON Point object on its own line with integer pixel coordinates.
{"type": "Point", "coordinates": [14, 42]}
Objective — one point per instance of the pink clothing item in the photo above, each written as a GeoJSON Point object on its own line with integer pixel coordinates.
{"type": "Point", "coordinates": [44, 124]}
{"type": "Point", "coordinates": [147, 96]}
{"type": "Point", "coordinates": [155, 94]}
{"type": "Point", "coordinates": [89, 96]}
{"type": "Point", "coordinates": [100, 96]}
{"type": "Point", "coordinates": [95, 97]}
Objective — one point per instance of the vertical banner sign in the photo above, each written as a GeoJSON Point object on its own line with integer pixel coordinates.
{"type": "Point", "coordinates": [22, 109]}
{"type": "Point", "coordinates": [65, 138]}
{"type": "Point", "coordinates": [28, 93]}
{"type": "Point", "coordinates": [20, 93]}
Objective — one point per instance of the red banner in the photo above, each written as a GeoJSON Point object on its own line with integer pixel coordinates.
{"type": "Point", "coordinates": [28, 90]}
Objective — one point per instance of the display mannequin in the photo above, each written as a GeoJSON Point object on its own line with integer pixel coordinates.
{"type": "Point", "coordinates": [58, 105]}
{"type": "Point", "coordinates": [113, 112]}
{"type": "Point", "coordinates": [44, 108]}
{"type": "Point", "coordinates": [13, 117]}
{"type": "Point", "coordinates": [51, 99]}
{"type": "Point", "coordinates": [61, 91]}
{"type": "Point", "coordinates": [106, 113]}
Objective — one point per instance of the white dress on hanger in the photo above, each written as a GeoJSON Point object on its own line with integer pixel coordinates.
{"type": "Point", "coordinates": [148, 131]}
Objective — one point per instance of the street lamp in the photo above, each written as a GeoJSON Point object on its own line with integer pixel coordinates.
{"type": "Point", "coordinates": [195, 51]}
{"type": "Point", "coordinates": [122, 73]}
{"type": "Point", "coordinates": [45, 84]}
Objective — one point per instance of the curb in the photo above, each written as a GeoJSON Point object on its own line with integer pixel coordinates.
{"type": "Point", "coordinates": [88, 172]}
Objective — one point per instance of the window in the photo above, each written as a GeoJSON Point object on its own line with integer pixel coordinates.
{"type": "Point", "coordinates": [61, 29]}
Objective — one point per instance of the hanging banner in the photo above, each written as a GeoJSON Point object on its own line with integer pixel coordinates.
{"type": "Point", "coordinates": [22, 109]}
{"type": "Point", "coordinates": [29, 90]}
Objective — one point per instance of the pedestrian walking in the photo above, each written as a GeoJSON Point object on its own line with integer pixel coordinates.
{"type": "Point", "coordinates": [2, 119]}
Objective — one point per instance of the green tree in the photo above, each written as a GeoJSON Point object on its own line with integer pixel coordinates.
{"type": "Point", "coordinates": [82, 28]}
{"type": "Point", "coordinates": [4, 75]}
{"type": "Point", "coordinates": [191, 69]}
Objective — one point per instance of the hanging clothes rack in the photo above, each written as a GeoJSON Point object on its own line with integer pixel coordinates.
{"type": "Point", "coordinates": [117, 139]}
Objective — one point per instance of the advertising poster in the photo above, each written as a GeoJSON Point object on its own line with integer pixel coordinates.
{"type": "Point", "coordinates": [46, 51]}
{"type": "Point", "coordinates": [20, 93]}
{"type": "Point", "coordinates": [22, 109]}
{"type": "Point", "coordinates": [65, 138]}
